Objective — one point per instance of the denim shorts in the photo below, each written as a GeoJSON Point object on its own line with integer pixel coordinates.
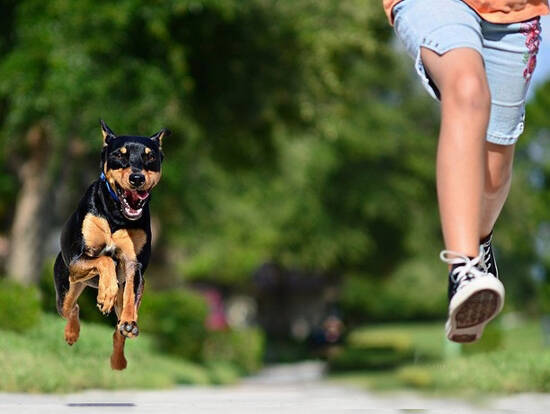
{"type": "Point", "coordinates": [509, 52]}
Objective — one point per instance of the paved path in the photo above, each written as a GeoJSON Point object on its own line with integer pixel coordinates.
{"type": "Point", "coordinates": [282, 389]}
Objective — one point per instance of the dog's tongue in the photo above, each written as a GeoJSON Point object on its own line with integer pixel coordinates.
{"type": "Point", "coordinates": [135, 196]}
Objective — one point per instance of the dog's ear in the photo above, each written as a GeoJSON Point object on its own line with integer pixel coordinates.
{"type": "Point", "coordinates": [160, 135]}
{"type": "Point", "coordinates": [106, 132]}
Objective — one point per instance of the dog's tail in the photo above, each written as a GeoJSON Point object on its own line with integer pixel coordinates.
{"type": "Point", "coordinates": [61, 281]}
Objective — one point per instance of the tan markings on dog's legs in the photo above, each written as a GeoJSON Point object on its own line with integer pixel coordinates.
{"type": "Point", "coordinates": [107, 287]}
{"type": "Point", "coordinates": [118, 361]}
{"type": "Point", "coordinates": [128, 317]}
{"type": "Point", "coordinates": [96, 233]}
{"type": "Point", "coordinates": [71, 312]}
{"type": "Point", "coordinates": [84, 269]}
{"type": "Point", "coordinates": [151, 178]}
{"type": "Point", "coordinates": [119, 303]}
{"type": "Point", "coordinates": [129, 244]}
{"type": "Point", "coordinates": [104, 266]}
{"type": "Point", "coordinates": [75, 289]}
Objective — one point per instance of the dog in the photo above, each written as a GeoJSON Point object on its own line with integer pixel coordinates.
{"type": "Point", "coordinates": [106, 243]}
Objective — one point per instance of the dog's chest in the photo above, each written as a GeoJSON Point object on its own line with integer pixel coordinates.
{"type": "Point", "coordinates": [99, 240]}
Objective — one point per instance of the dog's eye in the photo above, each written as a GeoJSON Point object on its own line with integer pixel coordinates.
{"type": "Point", "coordinates": [150, 157]}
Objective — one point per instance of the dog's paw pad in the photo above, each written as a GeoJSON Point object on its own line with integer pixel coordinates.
{"type": "Point", "coordinates": [128, 329]}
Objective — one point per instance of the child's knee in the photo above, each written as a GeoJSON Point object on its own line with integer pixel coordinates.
{"type": "Point", "coordinates": [498, 178]}
{"type": "Point", "coordinates": [469, 91]}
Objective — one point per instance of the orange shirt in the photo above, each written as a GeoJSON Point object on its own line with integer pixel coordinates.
{"type": "Point", "coordinates": [493, 11]}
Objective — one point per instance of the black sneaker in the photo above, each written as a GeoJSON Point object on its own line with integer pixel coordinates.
{"type": "Point", "coordinates": [475, 296]}
{"type": "Point", "coordinates": [489, 262]}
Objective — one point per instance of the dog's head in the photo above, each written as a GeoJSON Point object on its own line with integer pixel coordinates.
{"type": "Point", "coordinates": [132, 167]}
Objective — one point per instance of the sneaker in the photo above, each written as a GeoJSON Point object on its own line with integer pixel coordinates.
{"type": "Point", "coordinates": [489, 264]}
{"type": "Point", "coordinates": [476, 296]}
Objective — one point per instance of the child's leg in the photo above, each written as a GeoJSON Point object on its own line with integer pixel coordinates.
{"type": "Point", "coordinates": [465, 108]}
{"type": "Point", "coordinates": [498, 178]}
{"type": "Point", "coordinates": [509, 52]}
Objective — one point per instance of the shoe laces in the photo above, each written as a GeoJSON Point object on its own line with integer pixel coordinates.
{"type": "Point", "coordinates": [466, 270]}
{"type": "Point", "coordinates": [487, 254]}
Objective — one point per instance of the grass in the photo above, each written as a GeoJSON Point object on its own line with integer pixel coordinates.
{"type": "Point", "coordinates": [508, 359]}
{"type": "Point", "coordinates": [39, 360]}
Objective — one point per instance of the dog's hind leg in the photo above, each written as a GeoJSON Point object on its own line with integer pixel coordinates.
{"type": "Point", "coordinates": [71, 312]}
{"type": "Point", "coordinates": [67, 294]}
{"type": "Point", "coordinates": [118, 361]}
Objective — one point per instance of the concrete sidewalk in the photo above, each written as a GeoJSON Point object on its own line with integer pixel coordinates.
{"type": "Point", "coordinates": [282, 389]}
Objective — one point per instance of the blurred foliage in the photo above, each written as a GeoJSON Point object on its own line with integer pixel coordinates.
{"type": "Point", "coordinates": [19, 306]}
{"type": "Point", "coordinates": [177, 321]}
{"type": "Point", "coordinates": [510, 357]}
{"type": "Point", "coordinates": [298, 139]}
{"type": "Point", "coordinates": [372, 351]}
{"type": "Point", "coordinates": [274, 106]}
{"type": "Point", "coordinates": [493, 340]}
{"type": "Point", "coordinates": [393, 298]}
{"type": "Point", "coordinates": [39, 360]}
{"type": "Point", "coordinates": [241, 348]}
{"type": "Point", "coordinates": [535, 164]}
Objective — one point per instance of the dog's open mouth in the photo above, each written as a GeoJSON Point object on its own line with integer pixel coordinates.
{"type": "Point", "coordinates": [132, 202]}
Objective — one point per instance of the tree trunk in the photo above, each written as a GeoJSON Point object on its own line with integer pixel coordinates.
{"type": "Point", "coordinates": [33, 215]}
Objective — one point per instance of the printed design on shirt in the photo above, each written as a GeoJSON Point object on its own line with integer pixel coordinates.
{"type": "Point", "coordinates": [531, 31]}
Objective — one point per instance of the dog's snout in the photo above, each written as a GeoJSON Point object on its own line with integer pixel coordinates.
{"type": "Point", "coordinates": [137, 179]}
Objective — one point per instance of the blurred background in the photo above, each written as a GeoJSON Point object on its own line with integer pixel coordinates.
{"type": "Point", "coordinates": [296, 218]}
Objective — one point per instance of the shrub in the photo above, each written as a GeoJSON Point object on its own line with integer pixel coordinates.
{"type": "Point", "coordinates": [394, 298]}
{"type": "Point", "coordinates": [244, 348]}
{"type": "Point", "coordinates": [176, 319]}
{"type": "Point", "coordinates": [376, 350]}
{"type": "Point", "coordinates": [19, 306]}
{"type": "Point", "coordinates": [39, 360]}
{"type": "Point", "coordinates": [492, 340]}
{"type": "Point", "coordinates": [222, 373]}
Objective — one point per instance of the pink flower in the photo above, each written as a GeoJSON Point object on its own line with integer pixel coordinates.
{"type": "Point", "coordinates": [531, 64]}
{"type": "Point", "coordinates": [531, 30]}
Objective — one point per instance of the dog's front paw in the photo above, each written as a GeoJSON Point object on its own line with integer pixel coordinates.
{"type": "Point", "coordinates": [129, 329]}
{"type": "Point", "coordinates": [106, 297]}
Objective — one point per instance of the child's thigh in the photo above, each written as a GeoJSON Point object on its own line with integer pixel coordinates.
{"type": "Point", "coordinates": [509, 52]}
{"type": "Point", "coordinates": [438, 25]}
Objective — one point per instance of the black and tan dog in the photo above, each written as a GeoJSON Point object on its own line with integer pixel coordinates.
{"type": "Point", "coordinates": [106, 243]}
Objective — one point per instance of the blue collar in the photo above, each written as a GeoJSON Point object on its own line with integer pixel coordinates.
{"type": "Point", "coordinates": [104, 179]}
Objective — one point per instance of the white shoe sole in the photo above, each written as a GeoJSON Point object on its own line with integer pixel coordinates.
{"type": "Point", "coordinates": [472, 307]}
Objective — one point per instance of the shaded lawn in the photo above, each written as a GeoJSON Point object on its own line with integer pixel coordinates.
{"type": "Point", "coordinates": [40, 361]}
{"type": "Point", "coordinates": [521, 363]}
